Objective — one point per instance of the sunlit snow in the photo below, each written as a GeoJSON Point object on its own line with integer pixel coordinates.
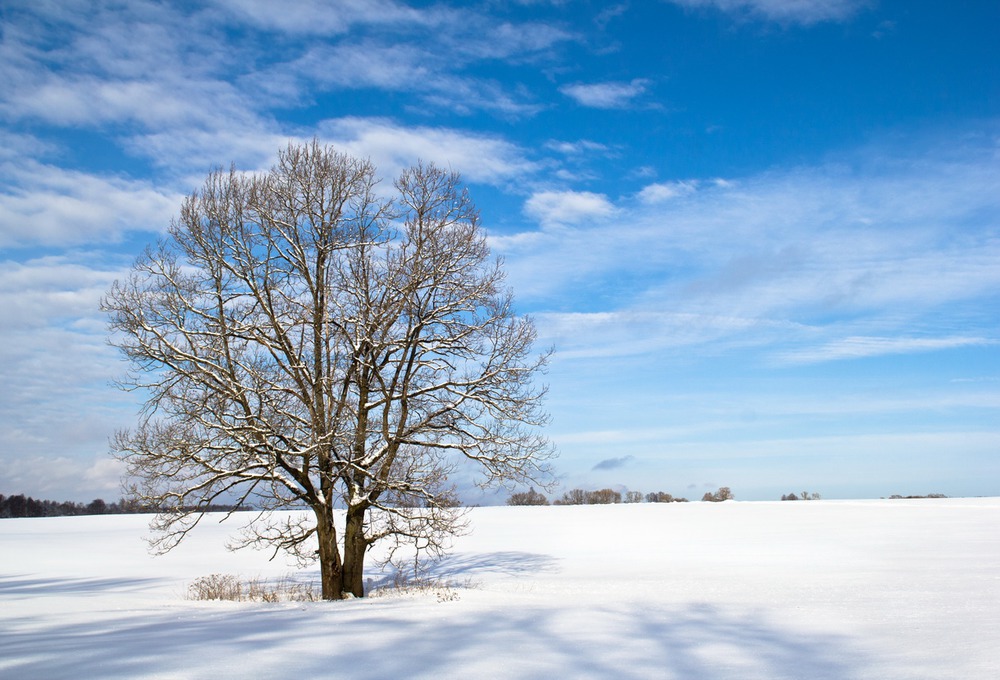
{"type": "Point", "coordinates": [818, 589]}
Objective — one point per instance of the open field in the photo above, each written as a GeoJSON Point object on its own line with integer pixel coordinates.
{"type": "Point", "coordinates": [819, 589]}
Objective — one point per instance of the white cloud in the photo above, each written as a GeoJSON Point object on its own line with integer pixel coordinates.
{"type": "Point", "coordinates": [36, 292]}
{"type": "Point", "coordinates": [862, 347]}
{"type": "Point", "coordinates": [631, 332]}
{"type": "Point", "coordinates": [577, 148]}
{"type": "Point", "coordinates": [392, 147]}
{"type": "Point", "coordinates": [403, 67]}
{"type": "Point", "coordinates": [188, 101]}
{"type": "Point", "coordinates": [60, 477]}
{"type": "Point", "coordinates": [187, 155]}
{"type": "Point", "coordinates": [55, 365]}
{"type": "Point", "coordinates": [796, 263]}
{"type": "Point", "coordinates": [318, 17]}
{"type": "Point", "coordinates": [785, 11]}
{"type": "Point", "coordinates": [552, 208]}
{"type": "Point", "coordinates": [44, 204]}
{"type": "Point", "coordinates": [69, 100]}
{"type": "Point", "coordinates": [77, 68]}
{"type": "Point", "coordinates": [610, 95]}
{"type": "Point", "coordinates": [665, 191]}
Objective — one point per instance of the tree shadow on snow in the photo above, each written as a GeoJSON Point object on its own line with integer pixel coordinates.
{"type": "Point", "coordinates": [19, 585]}
{"type": "Point", "coordinates": [460, 569]}
{"type": "Point", "coordinates": [425, 639]}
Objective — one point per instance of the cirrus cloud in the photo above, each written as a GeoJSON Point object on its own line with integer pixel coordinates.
{"type": "Point", "coordinates": [804, 12]}
{"type": "Point", "coordinates": [607, 95]}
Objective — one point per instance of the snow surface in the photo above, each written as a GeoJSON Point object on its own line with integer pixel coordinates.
{"type": "Point", "coordinates": [818, 589]}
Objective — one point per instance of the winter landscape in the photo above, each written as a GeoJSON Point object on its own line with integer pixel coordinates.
{"type": "Point", "coordinates": [819, 589]}
{"type": "Point", "coordinates": [364, 262]}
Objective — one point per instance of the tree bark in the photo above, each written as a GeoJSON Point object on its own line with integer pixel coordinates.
{"type": "Point", "coordinates": [331, 568]}
{"type": "Point", "coordinates": [355, 547]}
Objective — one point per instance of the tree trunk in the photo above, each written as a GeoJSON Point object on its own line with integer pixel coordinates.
{"type": "Point", "coordinates": [355, 547]}
{"type": "Point", "coordinates": [330, 566]}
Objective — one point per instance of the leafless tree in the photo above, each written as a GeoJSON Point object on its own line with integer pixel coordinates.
{"type": "Point", "coordinates": [300, 340]}
{"type": "Point", "coordinates": [582, 497]}
{"type": "Point", "coordinates": [529, 497]}
{"type": "Point", "coordinates": [723, 494]}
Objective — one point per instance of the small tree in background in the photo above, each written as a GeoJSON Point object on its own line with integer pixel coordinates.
{"type": "Point", "coordinates": [529, 497]}
{"type": "Point", "coordinates": [573, 497]}
{"type": "Point", "coordinates": [805, 495]}
{"type": "Point", "coordinates": [723, 494]}
{"type": "Point", "coordinates": [604, 497]}
{"type": "Point", "coordinates": [582, 497]}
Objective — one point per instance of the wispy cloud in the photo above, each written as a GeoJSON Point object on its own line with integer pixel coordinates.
{"type": "Point", "coordinates": [481, 157]}
{"type": "Point", "coordinates": [185, 93]}
{"type": "Point", "coordinates": [862, 347]}
{"type": "Point", "coordinates": [665, 191]}
{"type": "Point", "coordinates": [805, 12]}
{"type": "Point", "coordinates": [55, 365]}
{"type": "Point", "coordinates": [804, 261]}
{"type": "Point", "coordinates": [316, 17]}
{"type": "Point", "coordinates": [608, 95]}
{"type": "Point", "coordinates": [576, 148]}
{"type": "Point", "coordinates": [552, 208]}
{"type": "Point", "coordinates": [44, 204]}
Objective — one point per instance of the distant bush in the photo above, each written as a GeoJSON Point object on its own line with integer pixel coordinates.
{"type": "Point", "coordinates": [604, 497]}
{"type": "Point", "coordinates": [581, 497]}
{"type": "Point", "coordinates": [723, 494]}
{"type": "Point", "coordinates": [529, 497]}
{"type": "Point", "coordinates": [930, 495]}
{"type": "Point", "coordinates": [633, 497]}
{"type": "Point", "coordinates": [663, 497]}
{"type": "Point", "coordinates": [805, 496]}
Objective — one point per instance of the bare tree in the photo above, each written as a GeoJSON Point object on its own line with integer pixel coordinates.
{"type": "Point", "coordinates": [723, 494]}
{"type": "Point", "coordinates": [529, 497]}
{"type": "Point", "coordinates": [299, 339]}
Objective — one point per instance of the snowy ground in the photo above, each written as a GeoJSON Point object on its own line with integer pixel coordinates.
{"type": "Point", "coordinates": [818, 589]}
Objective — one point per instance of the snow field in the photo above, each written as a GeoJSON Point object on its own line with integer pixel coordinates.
{"type": "Point", "coordinates": [809, 589]}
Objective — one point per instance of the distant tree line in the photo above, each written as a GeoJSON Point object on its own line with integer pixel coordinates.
{"type": "Point", "coordinates": [582, 497]}
{"type": "Point", "coordinates": [26, 506]}
{"type": "Point", "coordinates": [663, 497]}
{"type": "Point", "coordinates": [529, 497]}
{"type": "Point", "coordinates": [804, 496]}
{"type": "Point", "coordinates": [610, 497]}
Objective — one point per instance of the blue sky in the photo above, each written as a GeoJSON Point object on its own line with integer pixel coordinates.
{"type": "Point", "coordinates": [763, 236]}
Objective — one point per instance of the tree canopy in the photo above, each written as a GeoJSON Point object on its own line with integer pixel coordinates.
{"type": "Point", "coordinates": [301, 337]}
